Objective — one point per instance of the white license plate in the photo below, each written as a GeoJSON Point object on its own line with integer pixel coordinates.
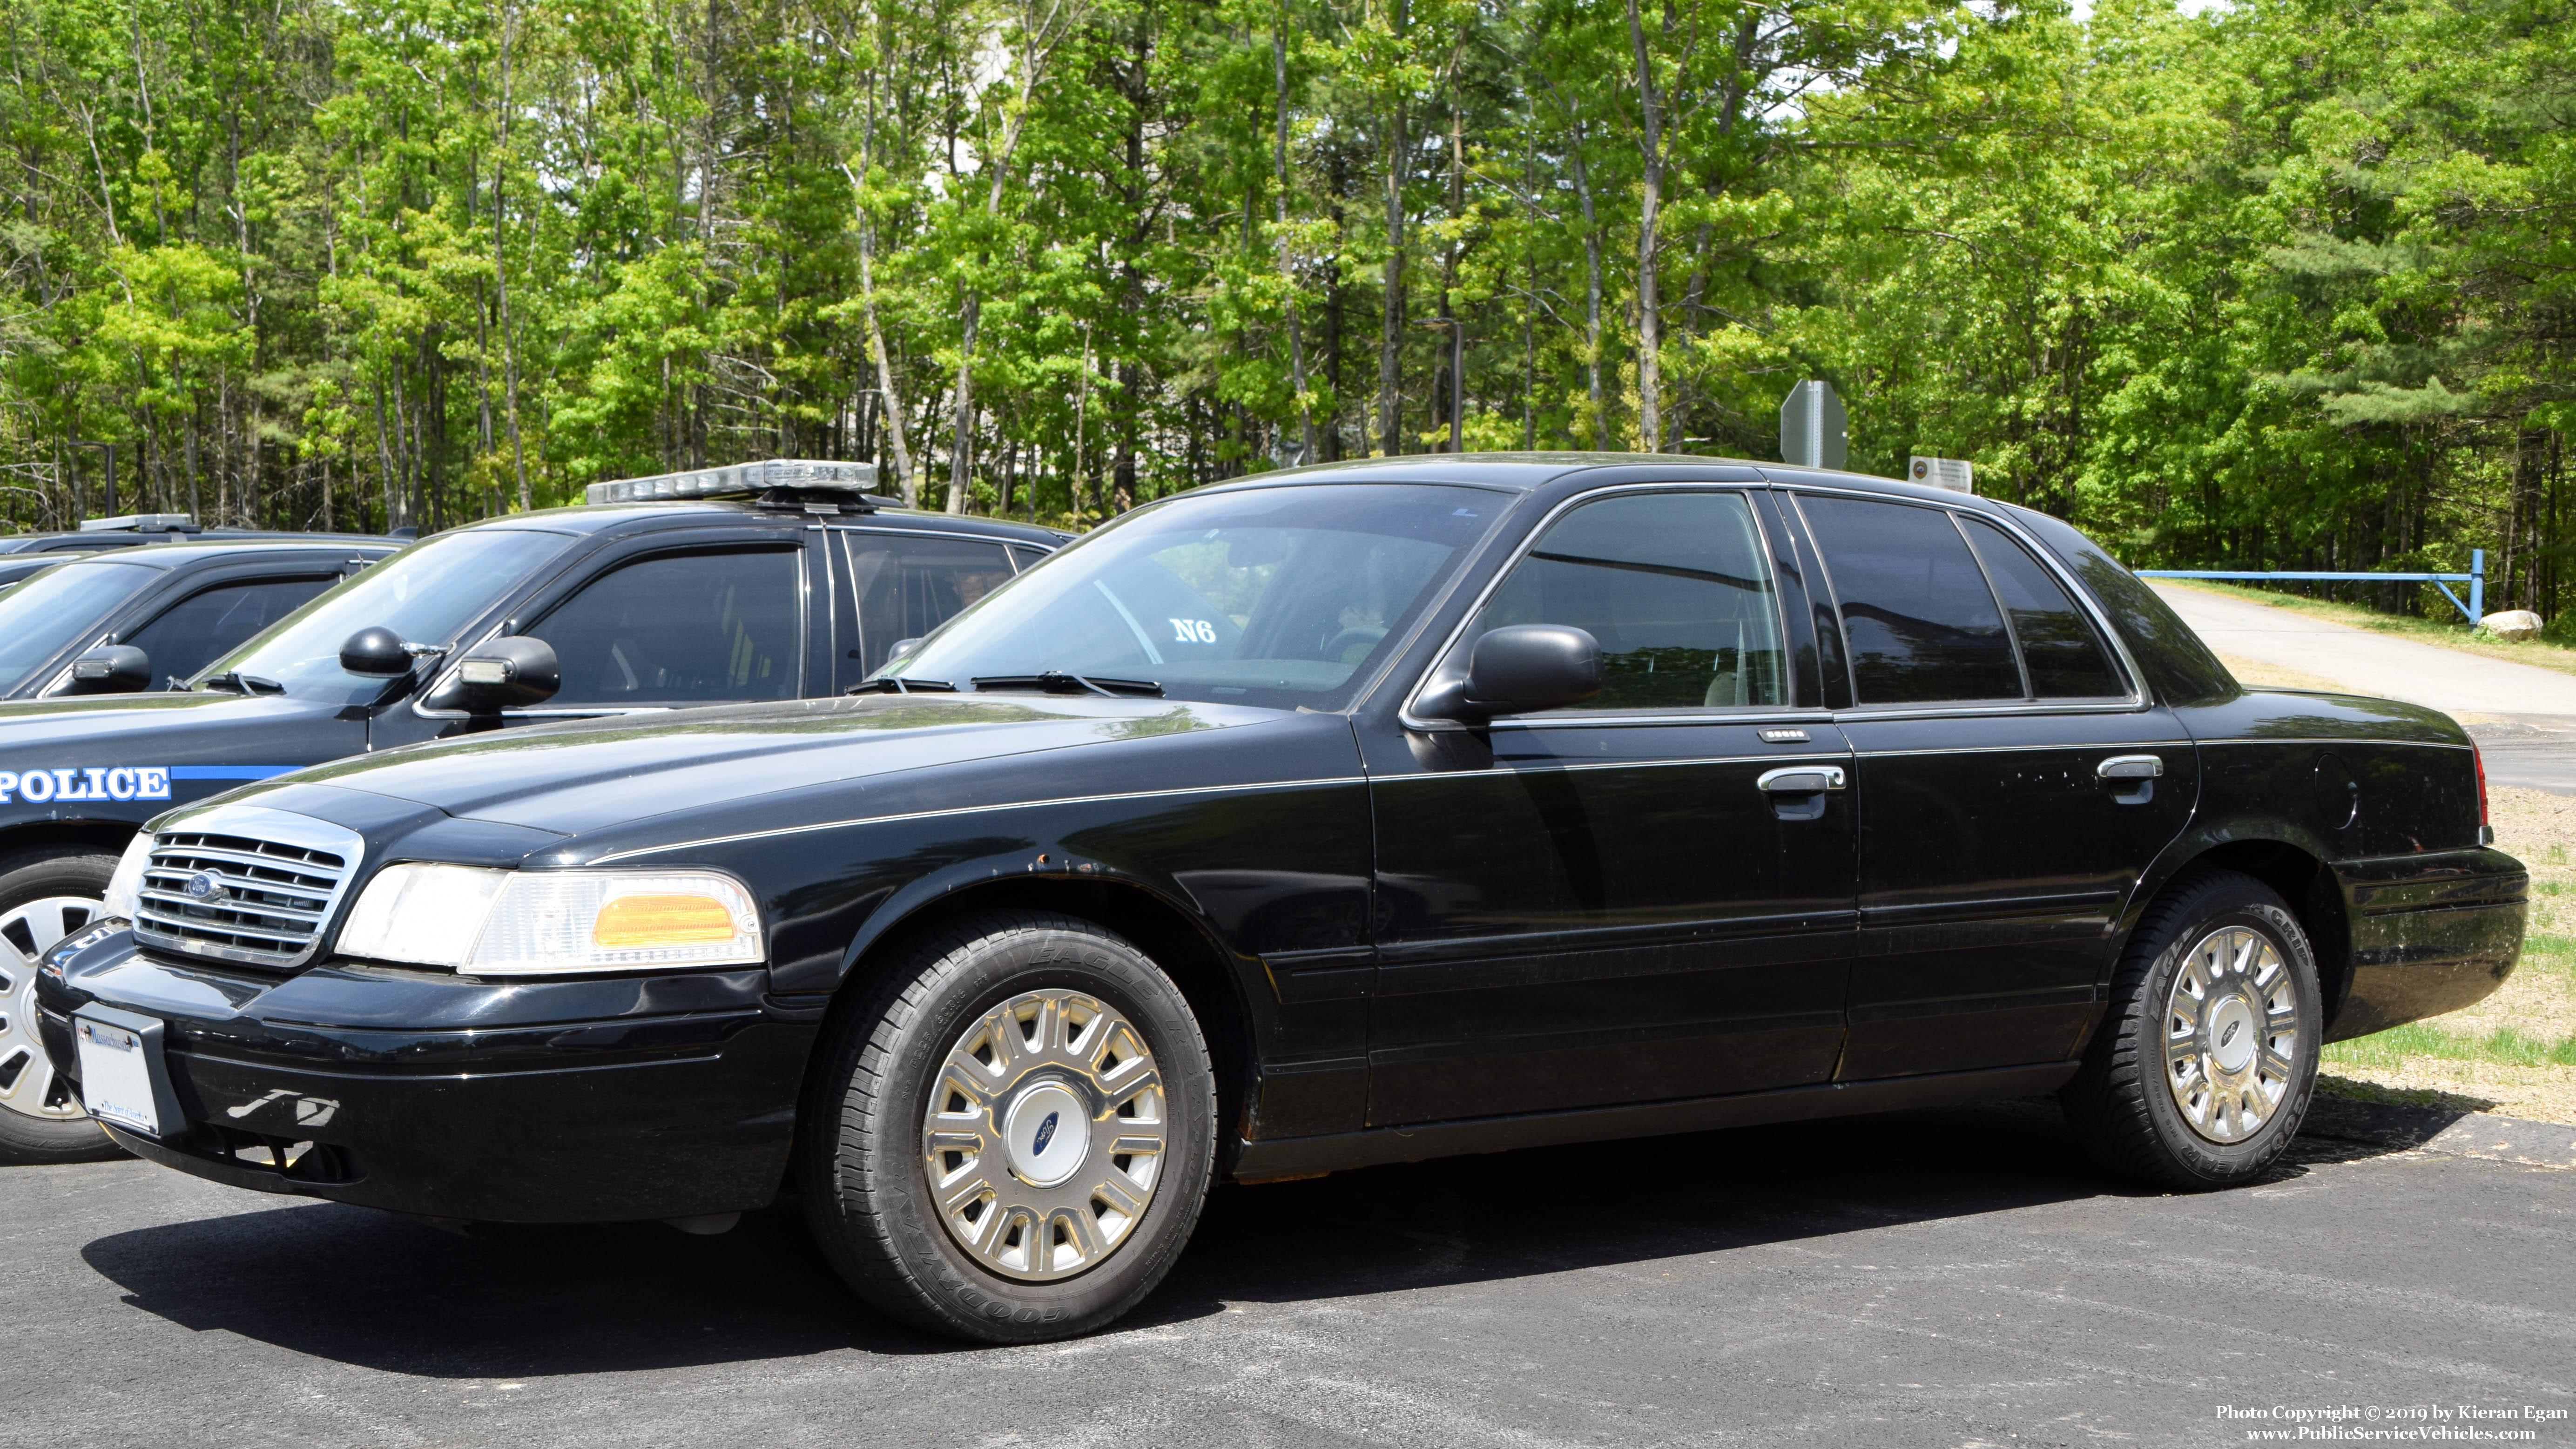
{"type": "Point", "coordinates": [116, 1077]}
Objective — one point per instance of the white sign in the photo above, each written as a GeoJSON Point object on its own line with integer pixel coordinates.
{"type": "Point", "coordinates": [1813, 431]}
{"type": "Point", "coordinates": [1956, 474]}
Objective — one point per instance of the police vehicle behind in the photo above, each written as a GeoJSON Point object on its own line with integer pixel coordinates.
{"type": "Point", "coordinates": [777, 580]}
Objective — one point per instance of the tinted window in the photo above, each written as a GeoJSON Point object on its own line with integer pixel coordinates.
{"type": "Point", "coordinates": [59, 608]}
{"type": "Point", "coordinates": [187, 637]}
{"type": "Point", "coordinates": [1676, 588]}
{"type": "Point", "coordinates": [1026, 555]}
{"type": "Point", "coordinates": [2184, 670]}
{"type": "Point", "coordinates": [427, 594]}
{"type": "Point", "coordinates": [2064, 658]}
{"type": "Point", "coordinates": [1916, 611]}
{"type": "Point", "coordinates": [907, 587]}
{"type": "Point", "coordinates": [683, 628]}
{"type": "Point", "coordinates": [1282, 595]}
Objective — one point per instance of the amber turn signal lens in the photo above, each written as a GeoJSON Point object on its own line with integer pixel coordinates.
{"type": "Point", "coordinates": [661, 921]}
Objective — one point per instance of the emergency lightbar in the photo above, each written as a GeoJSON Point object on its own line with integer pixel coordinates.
{"type": "Point", "coordinates": [796, 475]}
{"type": "Point", "coordinates": [141, 523]}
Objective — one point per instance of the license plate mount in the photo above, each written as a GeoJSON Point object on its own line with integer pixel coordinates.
{"type": "Point", "coordinates": [124, 1081]}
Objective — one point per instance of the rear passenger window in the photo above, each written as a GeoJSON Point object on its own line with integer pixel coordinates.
{"type": "Point", "coordinates": [1675, 586]}
{"type": "Point", "coordinates": [2064, 656]}
{"type": "Point", "coordinates": [682, 628]}
{"type": "Point", "coordinates": [1920, 621]}
{"type": "Point", "coordinates": [907, 587]}
{"type": "Point", "coordinates": [211, 623]}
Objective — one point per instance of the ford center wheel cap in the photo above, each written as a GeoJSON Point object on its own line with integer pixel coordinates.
{"type": "Point", "coordinates": [1047, 1134]}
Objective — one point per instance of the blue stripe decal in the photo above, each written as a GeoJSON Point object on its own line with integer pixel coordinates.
{"type": "Point", "coordinates": [228, 772]}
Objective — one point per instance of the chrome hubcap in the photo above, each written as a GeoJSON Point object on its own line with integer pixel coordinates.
{"type": "Point", "coordinates": [2231, 1034]}
{"type": "Point", "coordinates": [28, 1085]}
{"type": "Point", "coordinates": [1044, 1135]}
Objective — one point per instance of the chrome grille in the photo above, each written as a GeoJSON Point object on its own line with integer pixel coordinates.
{"type": "Point", "coordinates": [244, 883]}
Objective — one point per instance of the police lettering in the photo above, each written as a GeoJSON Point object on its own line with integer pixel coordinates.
{"type": "Point", "coordinates": [86, 782]}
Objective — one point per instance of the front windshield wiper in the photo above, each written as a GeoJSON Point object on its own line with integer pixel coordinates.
{"type": "Point", "coordinates": [901, 686]}
{"type": "Point", "coordinates": [1057, 682]}
{"type": "Point", "coordinates": [233, 681]}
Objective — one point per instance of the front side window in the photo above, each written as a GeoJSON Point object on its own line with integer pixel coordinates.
{"type": "Point", "coordinates": [1282, 596]}
{"type": "Point", "coordinates": [1921, 624]}
{"type": "Point", "coordinates": [1675, 586]}
{"type": "Point", "coordinates": [186, 637]}
{"type": "Point", "coordinates": [57, 608]}
{"type": "Point", "coordinates": [906, 587]}
{"type": "Point", "coordinates": [427, 594]}
{"type": "Point", "coordinates": [681, 628]}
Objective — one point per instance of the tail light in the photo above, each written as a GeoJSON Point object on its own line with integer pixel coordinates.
{"type": "Point", "coordinates": [2486, 831]}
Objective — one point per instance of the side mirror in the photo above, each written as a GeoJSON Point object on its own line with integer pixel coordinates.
{"type": "Point", "coordinates": [501, 674]}
{"type": "Point", "coordinates": [110, 669]}
{"type": "Point", "coordinates": [377, 652]}
{"type": "Point", "coordinates": [1521, 668]}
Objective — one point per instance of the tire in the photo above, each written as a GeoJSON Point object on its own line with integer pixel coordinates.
{"type": "Point", "coordinates": [45, 894]}
{"type": "Point", "coordinates": [1092, 1238]}
{"type": "Point", "coordinates": [2168, 1094]}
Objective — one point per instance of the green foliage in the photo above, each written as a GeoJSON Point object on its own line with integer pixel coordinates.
{"type": "Point", "coordinates": [2283, 284]}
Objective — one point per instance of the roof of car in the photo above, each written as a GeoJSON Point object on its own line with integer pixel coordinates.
{"type": "Point", "coordinates": [600, 517]}
{"type": "Point", "coordinates": [1525, 472]}
{"type": "Point", "coordinates": [182, 555]}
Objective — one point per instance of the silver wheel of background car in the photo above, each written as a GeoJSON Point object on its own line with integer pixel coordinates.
{"type": "Point", "coordinates": [28, 1085]}
{"type": "Point", "coordinates": [1044, 1135]}
{"type": "Point", "coordinates": [2231, 1033]}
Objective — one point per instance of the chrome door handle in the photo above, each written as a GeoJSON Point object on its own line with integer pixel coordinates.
{"type": "Point", "coordinates": [2130, 767]}
{"type": "Point", "coordinates": [1800, 780]}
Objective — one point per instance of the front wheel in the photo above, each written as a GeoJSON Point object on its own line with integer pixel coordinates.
{"type": "Point", "coordinates": [45, 895]}
{"type": "Point", "coordinates": [2200, 1075]}
{"type": "Point", "coordinates": [1010, 1139]}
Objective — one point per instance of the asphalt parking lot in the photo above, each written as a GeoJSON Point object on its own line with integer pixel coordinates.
{"type": "Point", "coordinates": [1942, 1278]}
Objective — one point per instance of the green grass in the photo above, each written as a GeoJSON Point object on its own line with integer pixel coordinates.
{"type": "Point", "coordinates": [2504, 1045]}
{"type": "Point", "coordinates": [2451, 633]}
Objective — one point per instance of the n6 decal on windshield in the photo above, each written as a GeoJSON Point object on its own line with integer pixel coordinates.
{"type": "Point", "coordinates": [1193, 631]}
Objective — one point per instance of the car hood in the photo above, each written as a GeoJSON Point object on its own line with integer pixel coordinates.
{"type": "Point", "coordinates": [99, 718]}
{"type": "Point", "coordinates": [582, 776]}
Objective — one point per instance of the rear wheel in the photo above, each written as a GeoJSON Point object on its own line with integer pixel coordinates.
{"type": "Point", "coordinates": [44, 896]}
{"type": "Point", "coordinates": [2200, 1076]}
{"type": "Point", "coordinates": [1010, 1139]}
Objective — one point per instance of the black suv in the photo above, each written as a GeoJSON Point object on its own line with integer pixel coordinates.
{"type": "Point", "coordinates": [796, 585]}
{"type": "Point", "coordinates": [168, 611]}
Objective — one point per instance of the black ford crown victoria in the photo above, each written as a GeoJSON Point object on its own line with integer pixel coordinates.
{"type": "Point", "coordinates": [1352, 815]}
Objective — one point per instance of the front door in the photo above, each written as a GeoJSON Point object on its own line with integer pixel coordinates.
{"type": "Point", "coordinates": [1605, 904]}
{"type": "Point", "coordinates": [2013, 784]}
{"type": "Point", "coordinates": [720, 622]}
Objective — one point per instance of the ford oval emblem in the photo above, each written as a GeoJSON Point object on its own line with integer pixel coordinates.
{"type": "Point", "coordinates": [2229, 1035]}
{"type": "Point", "coordinates": [1046, 1134]}
{"type": "Point", "coordinates": [204, 887]}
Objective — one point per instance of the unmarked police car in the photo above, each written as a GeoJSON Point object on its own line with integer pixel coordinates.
{"type": "Point", "coordinates": [769, 581]}
{"type": "Point", "coordinates": [1346, 816]}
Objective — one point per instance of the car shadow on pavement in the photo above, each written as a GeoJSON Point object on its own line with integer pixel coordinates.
{"type": "Point", "coordinates": [367, 1288]}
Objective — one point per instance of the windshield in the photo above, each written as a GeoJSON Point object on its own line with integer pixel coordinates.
{"type": "Point", "coordinates": [55, 608]}
{"type": "Point", "coordinates": [1272, 596]}
{"type": "Point", "coordinates": [426, 593]}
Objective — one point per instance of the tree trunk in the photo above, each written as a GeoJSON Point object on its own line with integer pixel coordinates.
{"type": "Point", "coordinates": [1287, 264]}
{"type": "Point", "coordinates": [1390, 355]}
{"type": "Point", "coordinates": [1650, 322]}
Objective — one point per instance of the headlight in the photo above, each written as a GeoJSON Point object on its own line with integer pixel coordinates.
{"type": "Point", "coordinates": [547, 922]}
{"type": "Point", "coordinates": [125, 888]}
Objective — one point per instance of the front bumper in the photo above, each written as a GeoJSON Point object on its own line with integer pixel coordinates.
{"type": "Point", "coordinates": [588, 1100]}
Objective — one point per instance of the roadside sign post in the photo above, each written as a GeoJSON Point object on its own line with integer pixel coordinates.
{"type": "Point", "coordinates": [1813, 429]}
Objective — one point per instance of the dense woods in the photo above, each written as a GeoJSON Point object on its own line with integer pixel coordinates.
{"type": "Point", "coordinates": [2286, 284]}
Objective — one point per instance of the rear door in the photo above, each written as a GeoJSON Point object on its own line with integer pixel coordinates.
{"type": "Point", "coordinates": [891, 585]}
{"type": "Point", "coordinates": [2013, 783]}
